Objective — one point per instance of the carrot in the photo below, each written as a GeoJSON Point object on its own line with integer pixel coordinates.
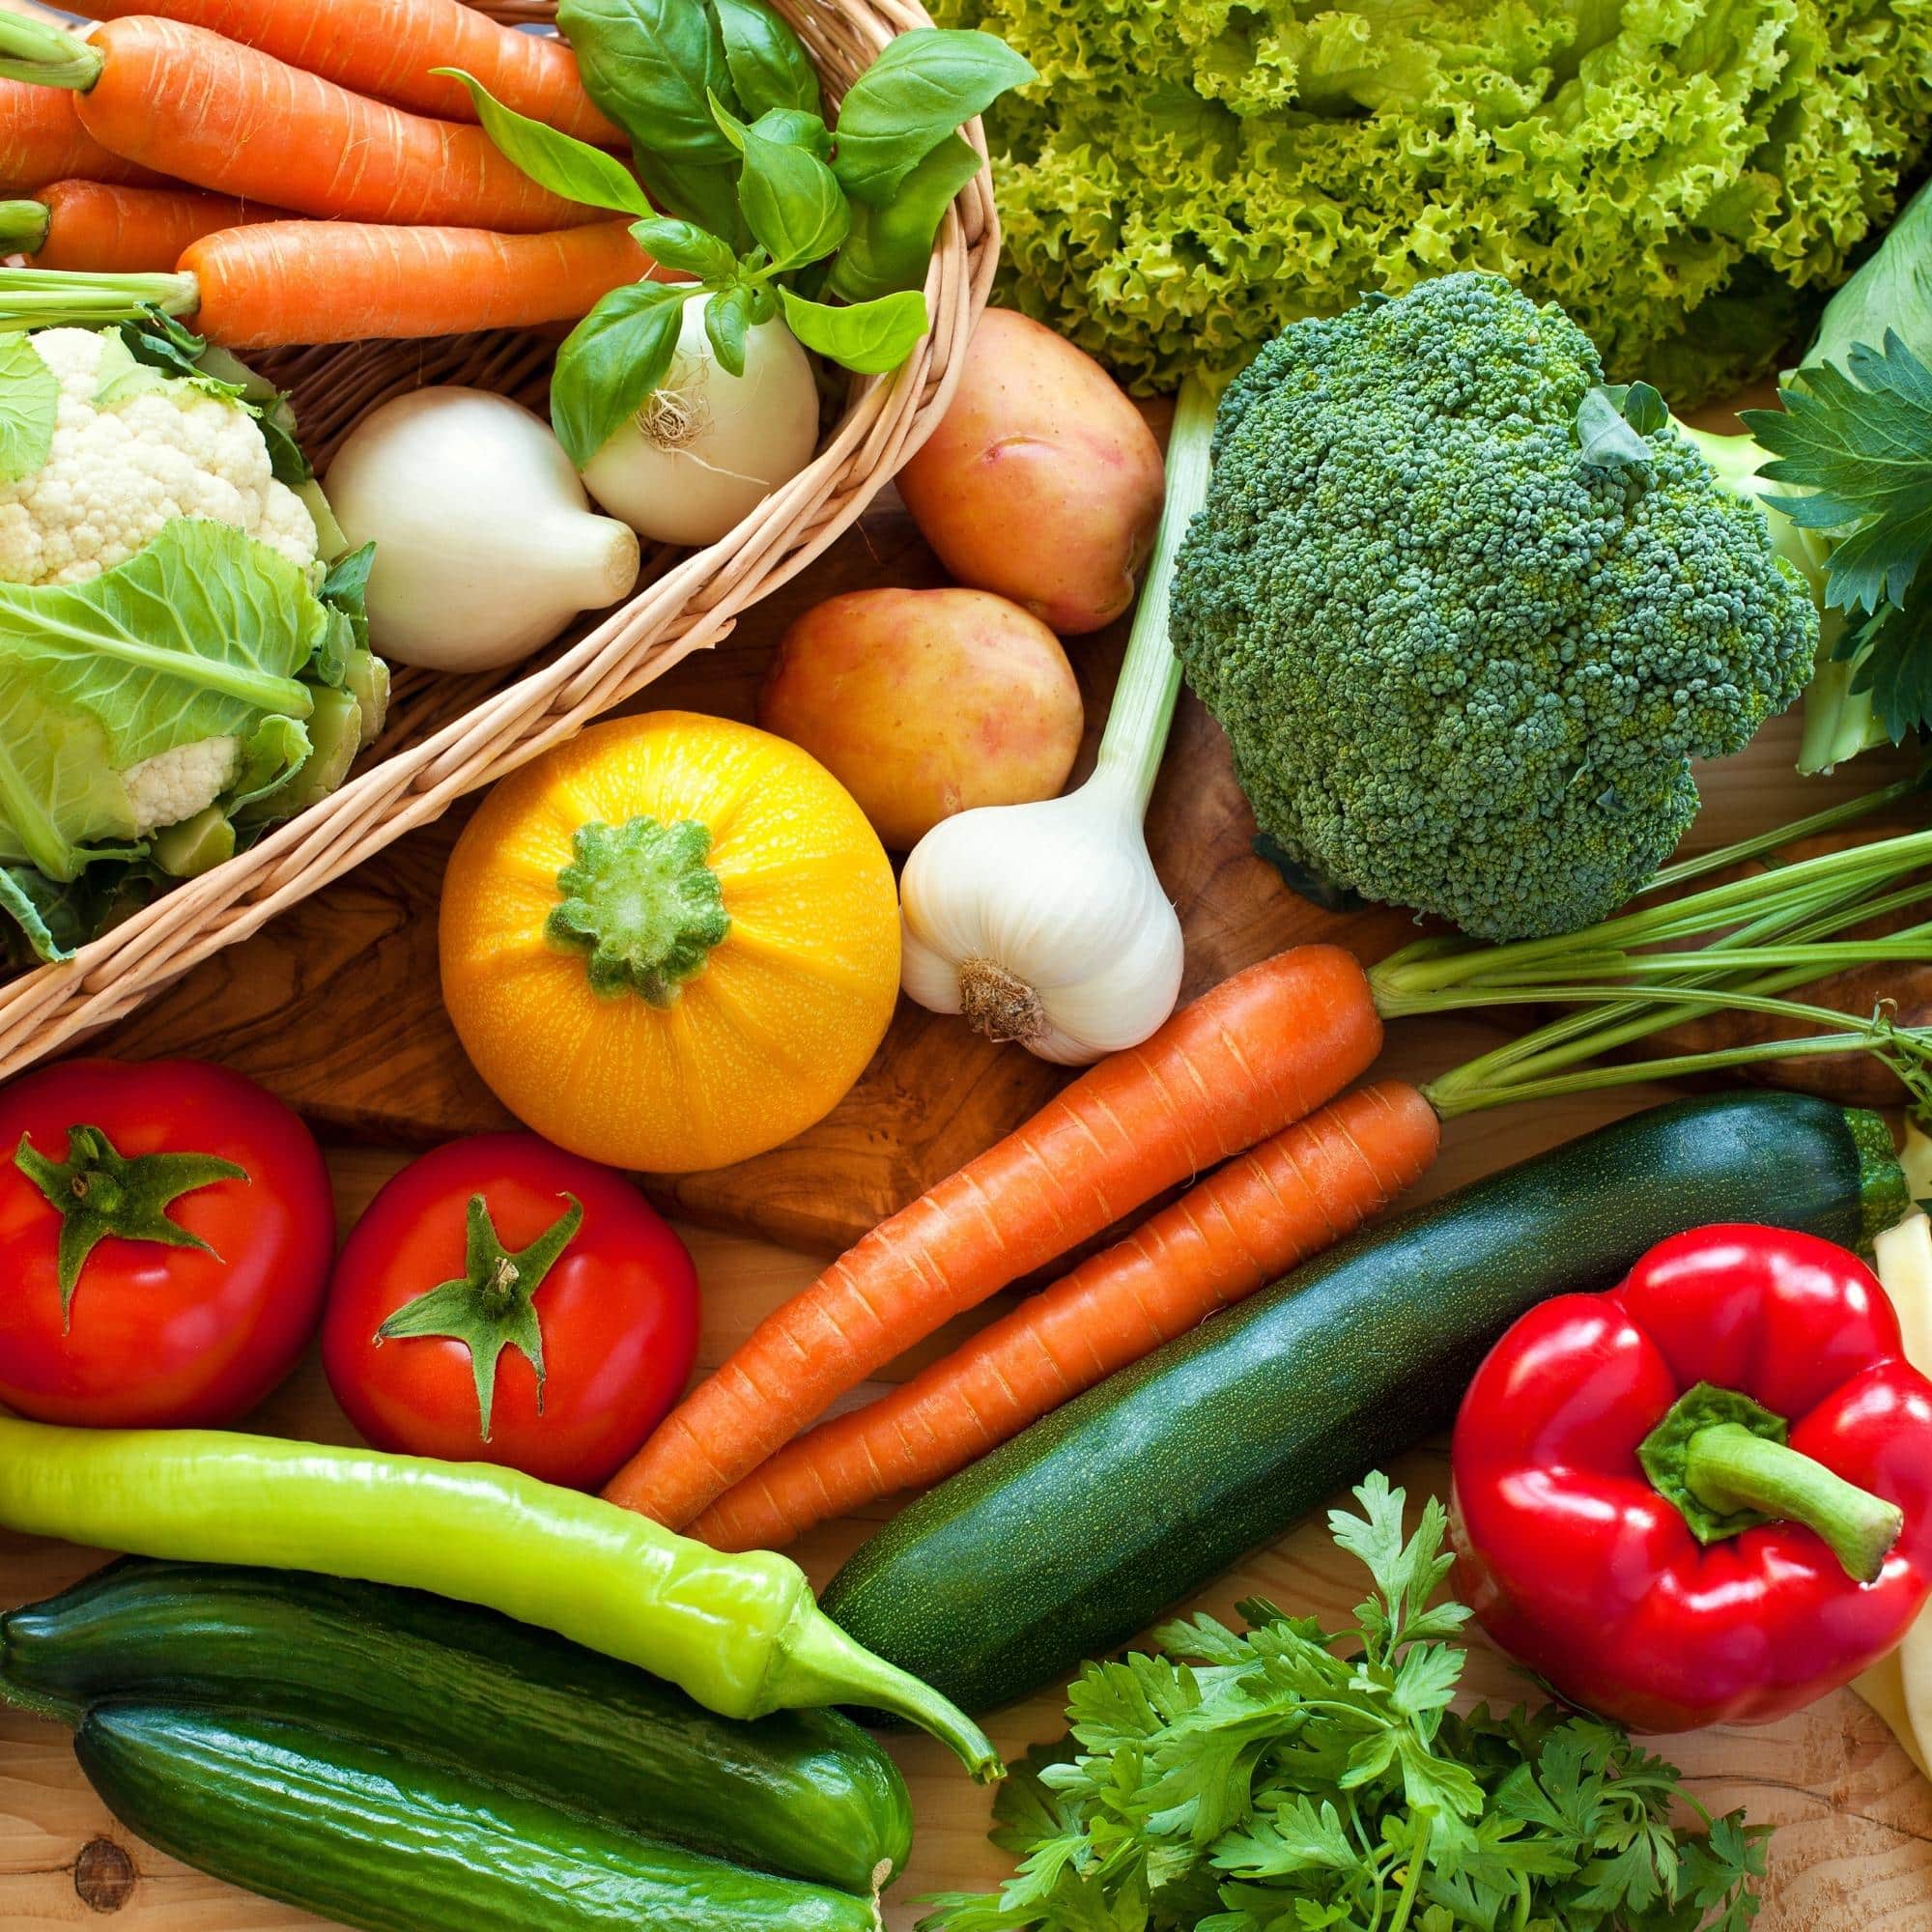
{"type": "Point", "coordinates": [387, 48]}
{"type": "Point", "coordinates": [1247, 1224]}
{"type": "Point", "coordinates": [94, 225]}
{"type": "Point", "coordinates": [42, 140]}
{"type": "Point", "coordinates": [1265, 1048]}
{"type": "Point", "coordinates": [334, 281]}
{"type": "Point", "coordinates": [221, 116]}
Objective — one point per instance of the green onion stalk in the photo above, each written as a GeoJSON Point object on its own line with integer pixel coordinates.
{"type": "Point", "coordinates": [1733, 947]}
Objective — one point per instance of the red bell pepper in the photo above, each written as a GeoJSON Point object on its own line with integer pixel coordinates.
{"type": "Point", "coordinates": [1706, 1494]}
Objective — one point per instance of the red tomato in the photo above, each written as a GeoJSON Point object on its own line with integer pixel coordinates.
{"type": "Point", "coordinates": [158, 1332]}
{"type": "Point", "coordinates": [440, 1309]}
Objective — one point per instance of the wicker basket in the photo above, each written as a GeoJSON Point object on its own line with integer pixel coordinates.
{"type": "Point", "coordinates": [450, 735]}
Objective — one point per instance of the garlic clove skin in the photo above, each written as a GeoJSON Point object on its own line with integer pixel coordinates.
{"type": "Point", "coordinates": [1044, 923]}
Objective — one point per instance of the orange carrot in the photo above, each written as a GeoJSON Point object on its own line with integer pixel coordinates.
{"type": "Point", "coordinates": [387, 48]}
{"type": "Point", "coordinates": [1246, 1224]}
{"type": "Point", "coordinates": [224, 116]}
{"type": "Point", "coordinates": [42, 140]}
{"type": "Point", "coordinates": [338, 282]}
{"type": "Point", "coordinates": [1265, 1048]}
{"type": "Point", "coordinates": [94, 225]}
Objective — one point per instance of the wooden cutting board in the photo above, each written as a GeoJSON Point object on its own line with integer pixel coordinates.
{"type": "Point", "coordinates": [336, 1006]}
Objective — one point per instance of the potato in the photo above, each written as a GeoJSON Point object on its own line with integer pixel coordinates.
{"type": "Point", "coordinates": [1041, 481]}
{"type": "Point", "coordinates": [922, 702]}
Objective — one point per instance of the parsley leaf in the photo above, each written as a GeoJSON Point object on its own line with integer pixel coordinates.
{"type": "Point", "coordinates": [1290, 1778]}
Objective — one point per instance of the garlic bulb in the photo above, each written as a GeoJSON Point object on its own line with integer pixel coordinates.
{"type": "Point", "coordinates": [1045, 924]}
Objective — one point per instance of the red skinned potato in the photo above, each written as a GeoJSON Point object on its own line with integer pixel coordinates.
{"type": "Point", "coordinates": [1041, 482]}
{"type": "Point", "coordinates": [922, 702]}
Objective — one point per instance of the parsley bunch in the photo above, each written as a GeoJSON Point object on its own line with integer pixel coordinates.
{"type": "Point", "coordinates": [1292, 1778]}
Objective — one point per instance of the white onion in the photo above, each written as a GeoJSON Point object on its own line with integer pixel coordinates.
{"type": "Point", "coordinates": [486, 545]}
{"type": "Point", "coordinates": [708, 446]}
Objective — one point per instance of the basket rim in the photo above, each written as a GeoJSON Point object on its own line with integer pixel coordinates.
{"type": "Point", "coordinates": [691, 606]}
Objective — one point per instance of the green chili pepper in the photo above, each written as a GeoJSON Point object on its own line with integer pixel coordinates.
{"type": "Point", "coordinates": [740, 1633]}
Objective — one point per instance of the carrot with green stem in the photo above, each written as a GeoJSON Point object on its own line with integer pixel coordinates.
{"type": "Point", "coordinates": [42, 140]}
{"type": "Point", "coordinates": [1258, 1054]}
{"type": "Point", "coordinates": [1247, 1224]}
{"type": "Point", "coordinates": [99, 227]}
{"type": "Point", "coordinates": [286, 282]}
{"type": "Point", "coordinates": [386, 48]}
{"type": "Point", "coordinates": [220, 116]}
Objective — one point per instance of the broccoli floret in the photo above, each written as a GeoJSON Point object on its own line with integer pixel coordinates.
{"type": "Point", "coordinates": [1461, 667]}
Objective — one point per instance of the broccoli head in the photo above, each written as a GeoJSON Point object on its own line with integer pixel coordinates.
{"type": "Point", "coordinates": [1464, 648]}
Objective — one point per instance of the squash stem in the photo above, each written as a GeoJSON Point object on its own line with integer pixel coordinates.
{"type": "Point", "coordinates": [1149, 680]}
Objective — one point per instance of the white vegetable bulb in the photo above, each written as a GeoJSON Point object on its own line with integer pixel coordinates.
{"type": "Point", "coordinates": [486, 545]}
{"type": "Point", "coordinates": [708, 447]}
{"type": "Point", "coordinates": [1043, 924]}
{"type": "Point", "coordinates": [1046, 924]}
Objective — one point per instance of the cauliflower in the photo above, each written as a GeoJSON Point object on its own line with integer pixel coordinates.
{"type": "Point", "coordinates": [186, 778]}
{"type": "Point", "coordinates": [134, 450]}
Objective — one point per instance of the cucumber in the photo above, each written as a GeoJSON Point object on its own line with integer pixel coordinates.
{"type": "Point", "coordinates": [804, 1793]}
{"type": "Point", "coordinates": [374, 1839]}
{"type": "Point", "coordinates": [1074, 1536]}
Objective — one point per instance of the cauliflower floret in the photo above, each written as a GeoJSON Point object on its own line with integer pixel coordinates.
{"type": "Point", "coordinates": [177, 784]}
{"type": "Point", "coordinates": [115, 475]}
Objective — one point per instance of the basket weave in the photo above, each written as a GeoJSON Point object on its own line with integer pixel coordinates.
{"type": "Point", "coordinates": [449, 735]}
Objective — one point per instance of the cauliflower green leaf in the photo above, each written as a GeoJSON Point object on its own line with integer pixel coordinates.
{"type": "Point", "coordinates": [199, 637]}
{"type": "Point", "coordinates": [29, 402]}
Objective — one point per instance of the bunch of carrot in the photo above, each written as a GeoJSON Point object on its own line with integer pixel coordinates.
{"type": "Point", "coordinates": [1246, 1075]}
{"type": "Point", "coordinates": [303, 164]}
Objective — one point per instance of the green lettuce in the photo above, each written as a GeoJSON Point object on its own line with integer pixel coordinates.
{"type": "Point", "coordinates": [1185, 180]}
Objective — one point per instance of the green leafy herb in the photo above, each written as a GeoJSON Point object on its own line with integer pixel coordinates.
{"type": "Point", "coordinates": [762, 203]}
{"type": "Point", "coordinates": [611, 362]}
{"type": "Point", "coordinates": [29, 402]}
{"type": "Point", "coordinates": [923, 87]}
{"type": "Point", "coordinates": [1856, 442]}
{"type": "Point", "coordinates": [870, 337]}
{"type": "Point", "coordinates": [792, 200]}
{"type": "Point", "coordinates": [889, 248]}
{"type": "Point", "coordinates": [769, 68]}
{"type": "Point", "coordinates": [558, 162]}
{"type": "Point", "coordinates": [1287, 1778]}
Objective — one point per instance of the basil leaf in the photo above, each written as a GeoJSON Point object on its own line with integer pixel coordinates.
{"type": "Point", "coordinates": [559, 162]}
{"type": "Point", "coordinates": [794, 127]}
{"type": "Point", "coordinates": [728, 322]}
{"type": "Point", "coordinates": [612, 360]}
{"type": "Point", "coordinates": [870, 337]}
{"type": "Point", "coordinates": [889, 248]}
{"type": "Point", "coordinates": [29, 402]}
{"type": "Point", "coordinates": [768, 63]}
{"type": "Point", "coordinates": [703, 192]}
{"type": "Point", "coordinates": [793, 204]}
{"type": "Point", "coordinates": [685, 246]}
{"type": "Point", "coordinates": [921, 88]}
{"type": "Point", "coordinates": [652, 65]}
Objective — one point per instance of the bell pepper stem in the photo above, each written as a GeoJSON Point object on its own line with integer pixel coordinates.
{"type": "Point", "coordinates": [820, 1664]}
{"type": "Point", "coordinates": [1730, 1469]}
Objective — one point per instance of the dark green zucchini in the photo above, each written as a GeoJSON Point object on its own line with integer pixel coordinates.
{"type": "Point", "coordinates": [804, 1793]}
{"type": "Point", "coordinates": [388, 1844]}
{"type": "Point", "coordinates": [1075, 1535]}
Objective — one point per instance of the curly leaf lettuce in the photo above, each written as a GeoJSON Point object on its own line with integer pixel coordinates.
{"type": "Point", "coordinates": [200, 635]}
{"type": "Point", "coordinates": [1184, 180]}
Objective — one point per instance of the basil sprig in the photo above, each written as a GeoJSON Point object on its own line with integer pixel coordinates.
{"type": "Point", "coordinates": [763, 203]}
